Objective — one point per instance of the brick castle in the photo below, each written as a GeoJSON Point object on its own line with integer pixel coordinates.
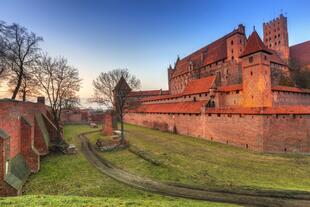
{"type": "Point", "coordinates": [237, 91]}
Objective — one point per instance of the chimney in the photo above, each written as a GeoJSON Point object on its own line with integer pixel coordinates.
{"type": "Point", "coordinates": [41, 99]}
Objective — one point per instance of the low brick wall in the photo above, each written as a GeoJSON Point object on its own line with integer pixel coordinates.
{"type": "Point", "coordinates": [268, 133]}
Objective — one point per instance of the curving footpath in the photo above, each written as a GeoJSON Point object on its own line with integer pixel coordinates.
{"type": "Point", "coordinates": [248, 199]}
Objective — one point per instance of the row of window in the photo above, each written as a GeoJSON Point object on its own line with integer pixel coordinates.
{"type": "Point", "coordinates": [232, 41]}
{"type": "Point", "coordinates": [275, 37]}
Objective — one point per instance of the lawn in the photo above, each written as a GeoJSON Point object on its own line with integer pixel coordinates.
{"type": "Point", "coordinates": [70, 180]}
{"type": "Point", "coordinates": [206, 164]}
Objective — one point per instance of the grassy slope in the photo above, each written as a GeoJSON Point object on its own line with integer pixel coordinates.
{"type": "Point", "coordinates": [208, 164]}
{"type": "Point", "coordinates": [71, 181]}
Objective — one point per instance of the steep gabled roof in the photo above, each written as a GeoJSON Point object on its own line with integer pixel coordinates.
{"type": "Point", "coordinates": [148, 93]}
{"type": "Point", "coordinates": [290, 89]}
{"type": "Point", "coordinates": [180, 107]}
{"type": "Point", "coordinates": [122, 85]}
{"type": "Point", "coordinates": [301, 53]}
{"type": "Point", "coordinates": [210, 53]}
{"type": "Point", "coordinates": [254, 45]}
{"type": "Point", "coordinates": [201, 85]}
{"type": "Point", "coordinates": [236, 87]}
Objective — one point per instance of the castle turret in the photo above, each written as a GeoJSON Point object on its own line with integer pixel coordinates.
{"type": "Point", "coordinates": [256, 78]}
{"type": "Point", "coordinates": [276, 36]}
{"type": "Point", "coordinates": [236, 43]}
{"type": "Point", "coordinates": [170, 71]}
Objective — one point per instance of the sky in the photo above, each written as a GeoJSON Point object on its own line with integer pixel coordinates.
{"type": "Point", "coordinates": [142, 35]}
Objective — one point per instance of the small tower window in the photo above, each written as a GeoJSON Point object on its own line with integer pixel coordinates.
{"type": "Point", "coordinates": [250, 59]}
{"type": "Point", "coordinates": [240, 41]}
{"type": "Point", "coordinates": [251, 73]}
{"type": "Point", "coordinates": [232, 57]}
{"type": "Point", "coordinates": [232, 42]}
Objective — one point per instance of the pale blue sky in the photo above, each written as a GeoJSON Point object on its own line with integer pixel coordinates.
{"type": "Point", "coordinates": [142, 35]}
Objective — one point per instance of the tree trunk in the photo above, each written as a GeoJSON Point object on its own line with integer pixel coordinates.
{"type": "Point", "coordinates": [19, 82]}
{"type": "Point", "coordinates": [122, 131]}
{"type": "Point", "coordinates": [56, 122]}
{"type": "Point", "coordinates": [24, 96]}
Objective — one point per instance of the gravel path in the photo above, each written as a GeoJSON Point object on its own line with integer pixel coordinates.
{"type": "Point", "coordinates": [248, 199]}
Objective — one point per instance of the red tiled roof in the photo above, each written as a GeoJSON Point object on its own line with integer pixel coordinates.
{"type": "Point", "coordinates": [228, 88]}
{"type": "Point", "coordinates": [254, 44]}
{"type": "Point", "coordinates": [181, 107]}
{"type": "Point", "coordinates": [290, 89]}
{"type": "Point", "coordinates": [266, 110]}
{"type": "Point", "coordinates": [149, 93]}
{"type": "Point", "coordinates": [211, 53]}
{"type": "Point", "coordinates": [301, 53]}
{"type": "Point", "coordinates": [201, 85]}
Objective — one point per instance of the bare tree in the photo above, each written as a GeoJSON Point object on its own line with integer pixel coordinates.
{"type": "Point", "coordinates": [301, 75]}
{"type": "Point", "coordinates": [20, 51]}
{"type": "Point", "coordinates": [59, 82]}
{"type": "Point", "coordinates": [105, 83]}
{"type": "Point", "coordinates": [121, 102]}
{"type": "Point", "coordinates": [28, 88]}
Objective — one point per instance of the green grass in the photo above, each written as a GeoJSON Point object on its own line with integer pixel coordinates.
{"type": "Point", "coordinates": [70, 180]}
{"type": "Point", "coordinates": [75, 201]}
{"type": "Point", "coordinates": [208, 164]}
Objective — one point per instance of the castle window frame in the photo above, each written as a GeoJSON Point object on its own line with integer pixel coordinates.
{"type": "Point", "coordinates": [251, 59]}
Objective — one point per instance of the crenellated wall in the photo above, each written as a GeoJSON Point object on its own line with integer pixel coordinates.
{"type": "Point", "coordinates": [282, 98]}
{"type": "Point", "coordinates": [267, 133]}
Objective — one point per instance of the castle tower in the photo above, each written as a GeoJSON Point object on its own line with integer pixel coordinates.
{"type": "Point", "coordinates": [170, 71]}
{"type": "Point", "coordinates": [276, 36]}
{"type": "Point", "coordinates": [256, 78]}
{"type": "Point", "coordinates": [236, 44]}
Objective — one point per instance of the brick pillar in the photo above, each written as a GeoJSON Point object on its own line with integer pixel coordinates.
{"type": "Point", "coordinates": [27, 149]}
{"type": "Point", "coordinates": [107, 128]}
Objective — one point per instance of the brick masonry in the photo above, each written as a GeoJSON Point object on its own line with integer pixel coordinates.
{"type": "Point", "coordinates": [25, 138]}
{"type": "Point", "coordinates": [265, 133]}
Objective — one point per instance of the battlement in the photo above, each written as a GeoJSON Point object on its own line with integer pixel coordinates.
{"type": "Point", "coordinates": [276, 36]}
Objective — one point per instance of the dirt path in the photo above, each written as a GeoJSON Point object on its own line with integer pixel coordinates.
{"type": "Point", "coordinates": [248, 199]}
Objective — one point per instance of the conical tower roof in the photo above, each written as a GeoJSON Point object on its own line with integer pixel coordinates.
{"type": "Point", "coordinates": [254, 45]}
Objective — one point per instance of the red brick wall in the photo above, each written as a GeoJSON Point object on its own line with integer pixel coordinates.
{"type": "Point", "coordinates": [256, 132]}
{"type": "Point", "coordinates": [39, 142]}
{"type": "Point", "coordinates": [32, 158]}
{"type": "Point", "coordinates": [230, 99]}
{"type": "Point", "coordinates": [281, 98]}
{"type": "Point", "coordinates": [287, 133]}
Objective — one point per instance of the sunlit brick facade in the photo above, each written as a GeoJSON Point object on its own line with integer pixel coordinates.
{"type": "Point", "coordinates": [237, 90]}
